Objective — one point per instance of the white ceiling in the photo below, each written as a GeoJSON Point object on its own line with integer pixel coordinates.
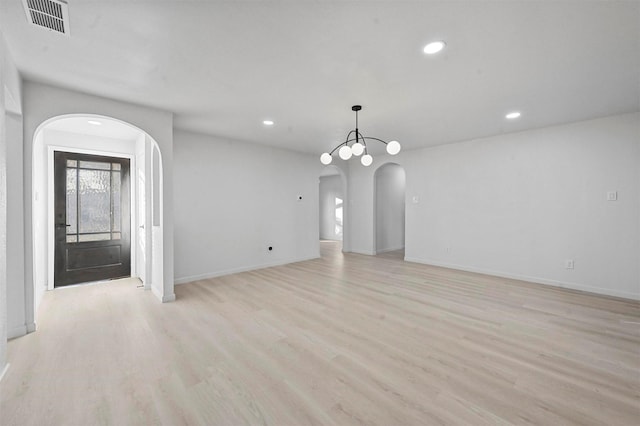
{"type": "Point", "coordinates": [222, 67]}
{"type": "Point", "coordinates": [107, 128]}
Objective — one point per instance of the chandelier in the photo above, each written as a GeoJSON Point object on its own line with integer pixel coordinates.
{"type": "Point", "coordinates": [358, 147]}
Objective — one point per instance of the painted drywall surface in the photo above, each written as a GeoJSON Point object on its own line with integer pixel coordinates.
{"type": "Point", "coordinates": [42, 102]}
{"type": "Point", "coordinates": [330, 192]}
{"type": "Point", "coordinates": [519, 205]}
{"type": "Point", "coordinates": [233, 200]}
{"type": "Point", "coordinates": [360, 184]}
{"type": "Point", "coordinates": [10, 127]}
{"type": "Point", "coordinates": [40, 220]}
{"type": "Point", "coordinates": [3, 226]}
{"type": "Point", "coordinates": [16, 323]}
{"type": "Point", "coordinates": [389, 208]}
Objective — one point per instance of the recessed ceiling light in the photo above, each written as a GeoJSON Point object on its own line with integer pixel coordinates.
{"type": "Point", "coordinates": [434, 47]}
{"type": "Point", "coordinates": [268, 122]}
{"type": "Point", "coordinates": [94, 122]}
{"type": "Point", "coordinates": [513, 115]}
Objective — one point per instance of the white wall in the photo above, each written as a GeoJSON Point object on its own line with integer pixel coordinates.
{"type": "Point", "coordinates": [235, 199]}
{"type": "Point", "coordinates": [519, 205]}
{"type": "Point", "coordinates": [360, 187]}
{"type": "Point", "coordinates": [41, 103]}
{"type": "Point", "coordinates": [3, 221]}
{"type": "Point", "coordinates": [16, 323]}
{"type": "Point", "coordinates": [10, 131]}
{"type": "Point", "coordinates": [389, 208]}
{"type": "Point", "coordinates": [330, 188]}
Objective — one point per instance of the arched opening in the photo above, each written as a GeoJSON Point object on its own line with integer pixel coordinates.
{"type": "Point", "coordinates": [90, 135]}
{"type": "Point", "coordinates": [389, 209]}
{"type": "Point", "coordinates": [332, 210]}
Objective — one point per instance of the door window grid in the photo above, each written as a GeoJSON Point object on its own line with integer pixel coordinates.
{"type": "Point", "coordinates": [92, 171]}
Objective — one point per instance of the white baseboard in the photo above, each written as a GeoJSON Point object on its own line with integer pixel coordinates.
{"type": "Point", "coordinates": [215, 274]}
{"type": "Point", "coordinates": [156, 293]}
{"type": "Point", "coordinates": [169, 298]}
{"type": "Point", "coordinates": [537, 280]}
{"type": "Point", "coordinates": [164, 298]}
{"type": "Point", "coordinates": [385, 250]}
{"type": "Point", "coordinates": [4, 371]}
{"type": "Point", "coordinates": [365, 252]}
{"type": "Point", "coordinates": [21, 330]}
{"type": "Point", "coordinates": [18, 331]}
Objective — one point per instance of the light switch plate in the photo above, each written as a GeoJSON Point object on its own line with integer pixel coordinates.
{"type": "Point", "coordinates": [612, 196]}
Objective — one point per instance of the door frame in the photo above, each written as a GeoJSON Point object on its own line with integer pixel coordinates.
{"type": "Point", "coordinates": [51, 204]}
{"type": "Point", "coordinates": [143, 218]}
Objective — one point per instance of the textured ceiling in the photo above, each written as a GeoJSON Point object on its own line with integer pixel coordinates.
{"type": "Point", "coordinates": [223, 67]}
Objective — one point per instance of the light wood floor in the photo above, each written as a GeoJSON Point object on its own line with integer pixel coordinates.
{"type": "Point", "coordinates": [342, 340]}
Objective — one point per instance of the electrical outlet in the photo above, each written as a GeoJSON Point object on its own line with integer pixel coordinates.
{"type": "Point", "coordinates": [568, 264]}
{"type": "Point", "coordinates": [612, 195]}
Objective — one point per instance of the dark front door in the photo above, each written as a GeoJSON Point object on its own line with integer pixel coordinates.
{"type": "Point", "coordinates": [92, 218]}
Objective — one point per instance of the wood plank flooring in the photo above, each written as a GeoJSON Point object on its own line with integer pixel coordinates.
{"type": "Point", "coordinates": [343, 340]}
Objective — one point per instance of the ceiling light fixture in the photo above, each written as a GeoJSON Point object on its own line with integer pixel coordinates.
{"type": "Point", "coordinates": [358, 147]}
{"type": "Point", "coordinates": [268, 122]}
{"type": "Point", "coordinates": [513, 115]}
{"type": "Point", "coordinates": [94, 122]}
{"type": "Point", "coordinates": [434, 47]}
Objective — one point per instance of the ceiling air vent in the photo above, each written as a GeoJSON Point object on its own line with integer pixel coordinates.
{"type": "Point", "coordinates": [50, 14]}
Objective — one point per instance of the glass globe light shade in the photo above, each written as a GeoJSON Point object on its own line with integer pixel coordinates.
{"type": "Point", "coordinates": [393, 147]}
{"type": "Point", "coordinates": [345, 152]}
{"type": "Point", "coordinates": [357, 148]}
{"type": "Point", "coordinates": [366, 160]}
{"type": "Point", "coordinates": [325, 158]}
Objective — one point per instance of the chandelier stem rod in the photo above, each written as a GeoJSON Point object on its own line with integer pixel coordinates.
{"type": "Point", "coordinates": [357, 126]}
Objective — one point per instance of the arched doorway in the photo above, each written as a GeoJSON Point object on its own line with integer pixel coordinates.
{"type": "Point", "coordinates": [389, 208]}
{"type": "Point", "coordinates": [332, 209]}
{"type": "Point", "coordinates": [90, 134]}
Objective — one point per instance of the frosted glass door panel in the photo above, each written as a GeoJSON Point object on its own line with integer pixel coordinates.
{"type": "Point", "coordinates": [95, 200]}
{"type": "Point", "coordinates": [117, 209]}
